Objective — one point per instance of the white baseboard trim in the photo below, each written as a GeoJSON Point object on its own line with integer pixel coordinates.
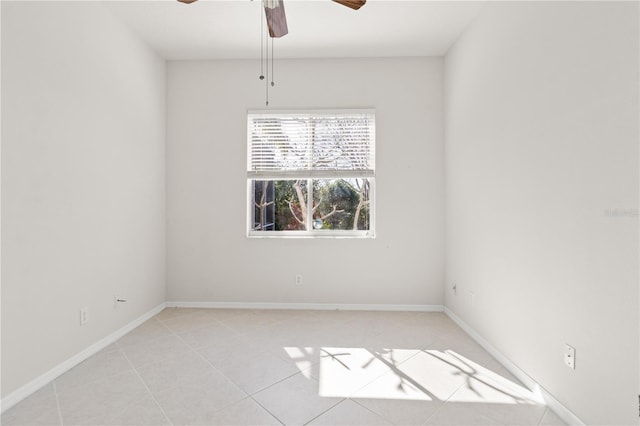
{"type": "Point", "coordinates": [544, 396]}
{"type": "Point", "coordinates": [308, 306]}
{"type": "Point", "coordinates": [36, 384]}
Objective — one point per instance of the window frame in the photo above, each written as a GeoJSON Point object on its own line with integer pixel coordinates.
{"type": "Point", "coordinates": [311, 175]}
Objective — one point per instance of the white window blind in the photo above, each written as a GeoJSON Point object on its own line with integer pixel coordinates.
{"type": "Point", "coordinates": [311, 143]}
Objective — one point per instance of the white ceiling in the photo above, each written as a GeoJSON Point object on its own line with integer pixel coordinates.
{"type": "Point", "coordinates": [230, 29]}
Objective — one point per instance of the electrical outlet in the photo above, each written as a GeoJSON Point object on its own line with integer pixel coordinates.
{"type": "Point", "coordinates": [570, 356]}
{"type": "Point", "coordinates": [298, 279]}
{"type": "Point", "coordinates": [84, 316]}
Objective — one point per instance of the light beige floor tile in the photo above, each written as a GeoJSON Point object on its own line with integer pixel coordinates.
{"type": "Point", "coordinates": [202, 337]}
{"type": "Point", "coordinates": [397, 367]}
{"type": "Point", "coordinates": [343, 371]}
{"type": "Point", "coordinates": [282, 315]}
{"type": "Point", "coordinates": [337, 336]}
{"type": "Point", "coordinates": [401, 412]}
{"type": "Point", "coordinates": [155, 350]}
{"type": "Point", "coordinates": [373, 322]}
{"type": "Point", "coordinates": [244, 413]}
{"type": "Point", "coordinates": [551, 419]}
{"type": "Point", "coordinates": [105, 363]}
{"type": "Point", "coordinates": [435, 373]}
{"type": "Point", "coordinates": [182, 369]}
{"type": "Point", "coordinates": [456, 414]}
{"type": "Point", "coordinates": [98, 401]}
{"type": "Point", "coordinates": [295, 401]}
{"type": "Point", "coordinates": [258, 372]}
{"type": "Point", "coordinates": [198, 401]}
{"type": "Point", "coordinates": [38, 409]}
{"type": "Point", "coordinates": [351, 414]}
{"type": "Point", "coordinates": [395, 384]}
{"type": "Point", "coordinates": [473, 354]}
{"type": "Point", "coordinates": [138, 413]}
{"type": "Point", "coordinates": [271, 338]}
{"type": "Point", "coordinates": [191, 322]}
{"type": "Point", "coordinates": [411, 337]}
{"type": "Point", "coordinates": [484, 386]}
{"type": "Point", "coordinates": [392, 357]}
{"type": "Point", "coordinates": [254, 323]}
{"type": "Point", "coordinates": [438, 322]}
{"type": "Point", "coordinates": [515, 414]}
{"type": "Point", "coordinates": [464, 346]}
{"type": "Point", "coordinates": [500, 400]}
{"type": "Point", "coordinates": [233, 350]}
{"type": "Point", "coordinates": [224, 314]}
{"type": "Point", "coordinates": [305, 359]}
{"type": "Point", "coordinates": [149, 330]}
{"type": "Point", "coordinates": [170, 313]}
{"type": "Point", "coordinates": [398, 398]}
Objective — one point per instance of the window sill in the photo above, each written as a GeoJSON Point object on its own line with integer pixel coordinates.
{"type": "Point", "coordinates": [311, 234]}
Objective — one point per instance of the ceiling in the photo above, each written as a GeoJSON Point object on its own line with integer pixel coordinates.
{"type": "Point", "coordinates": [230, 29]}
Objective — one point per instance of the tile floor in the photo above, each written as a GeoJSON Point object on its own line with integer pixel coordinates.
{"type": "Point", "coordinates": [266, 367]}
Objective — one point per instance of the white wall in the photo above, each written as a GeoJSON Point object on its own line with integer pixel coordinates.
{"type": "Point", "coordinates": [82, 181]}
{"type": "Point", "coordinates": [209, 255]}
{"type": "Point", "coordinates": [541, 125]}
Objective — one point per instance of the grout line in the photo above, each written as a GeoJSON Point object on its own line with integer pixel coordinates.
{"type": "Point", "coordinates": [437, 410]}
{"type": "Point", "coordinates": [543, 415]}
{"type": "Point", "coordinates": [240, 335]}
{"type": "Point", "coordinates": [194, 350]}
{"type": "Point", "coordinates": [252, 395]}
{"type": "Point", "coordinates": [145, 386]}
{"type": "Point", "coordinates": [327, 410]}
{"type": "Point", "coordinates": [546, 408]}
{"type": "Point", "coordinates": [275, 383]}
{"type": "Point", "coordinates": [55, 392]}
{"type": "Point", "coordinates": [369, 409]}
{"type": "Point", "coordinates": [44, 379]}
{"type": "Point", "coordinates": [247, 395]}
{"type": "Point", "coordinates": [444, 403]}
{"type": "Point", "coordinates": [267, 410]}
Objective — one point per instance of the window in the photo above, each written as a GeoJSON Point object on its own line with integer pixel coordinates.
{"type": "Point", "coordinates": [311, 173]}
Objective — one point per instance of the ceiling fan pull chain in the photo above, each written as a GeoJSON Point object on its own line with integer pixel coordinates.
{"type": "Point", "coordinates": [273, 57]}
{"type": "Point", "coordinates": [266, 83]}
{"type": "Point", "coordinates": [262, 18]}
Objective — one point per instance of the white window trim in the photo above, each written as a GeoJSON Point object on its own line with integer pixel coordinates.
{"type": "Point", "coordinates": [309, 174]}
{"type": "Point", "coordinates": [312, 233]}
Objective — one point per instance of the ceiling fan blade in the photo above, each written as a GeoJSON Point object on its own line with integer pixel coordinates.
{"type": "Point", "coordinates": [353, 4]}
{"type": "Point", "coordinates": [187, 1]}
{"type": "Point", "coordinates": [276, 18]}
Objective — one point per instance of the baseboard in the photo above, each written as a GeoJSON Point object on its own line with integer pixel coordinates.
{"type": "Point", "coordinates": [36, 384]}
{"type": "Point", "coordinates": [308, 306]}
{"type": "Point", "coordinates": [543, 395]}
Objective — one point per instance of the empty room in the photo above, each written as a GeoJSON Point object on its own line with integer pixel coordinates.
{"type": "Point", "coordinates": [320, 212]}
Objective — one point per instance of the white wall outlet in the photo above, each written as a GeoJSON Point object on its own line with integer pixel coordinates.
{"type": "Point", "coordinates": [84, 316]}
{"type": "Point", "coordinates": [570, 356]}
{"type": "Point", "coordinates": [298, 279]}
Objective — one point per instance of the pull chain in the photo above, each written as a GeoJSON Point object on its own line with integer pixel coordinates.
{"type": "Point", "coordinates": [267, 81]}
{"type": "Point", "coordinates": [264, 54]}
{"type": "Point", "coordinates": [261, 42]}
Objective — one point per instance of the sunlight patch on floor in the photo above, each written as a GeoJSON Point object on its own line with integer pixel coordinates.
{"type": "Point", "coordinates": [303, 358]}
{"type": "Point", "coordinates": [403, 374]}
